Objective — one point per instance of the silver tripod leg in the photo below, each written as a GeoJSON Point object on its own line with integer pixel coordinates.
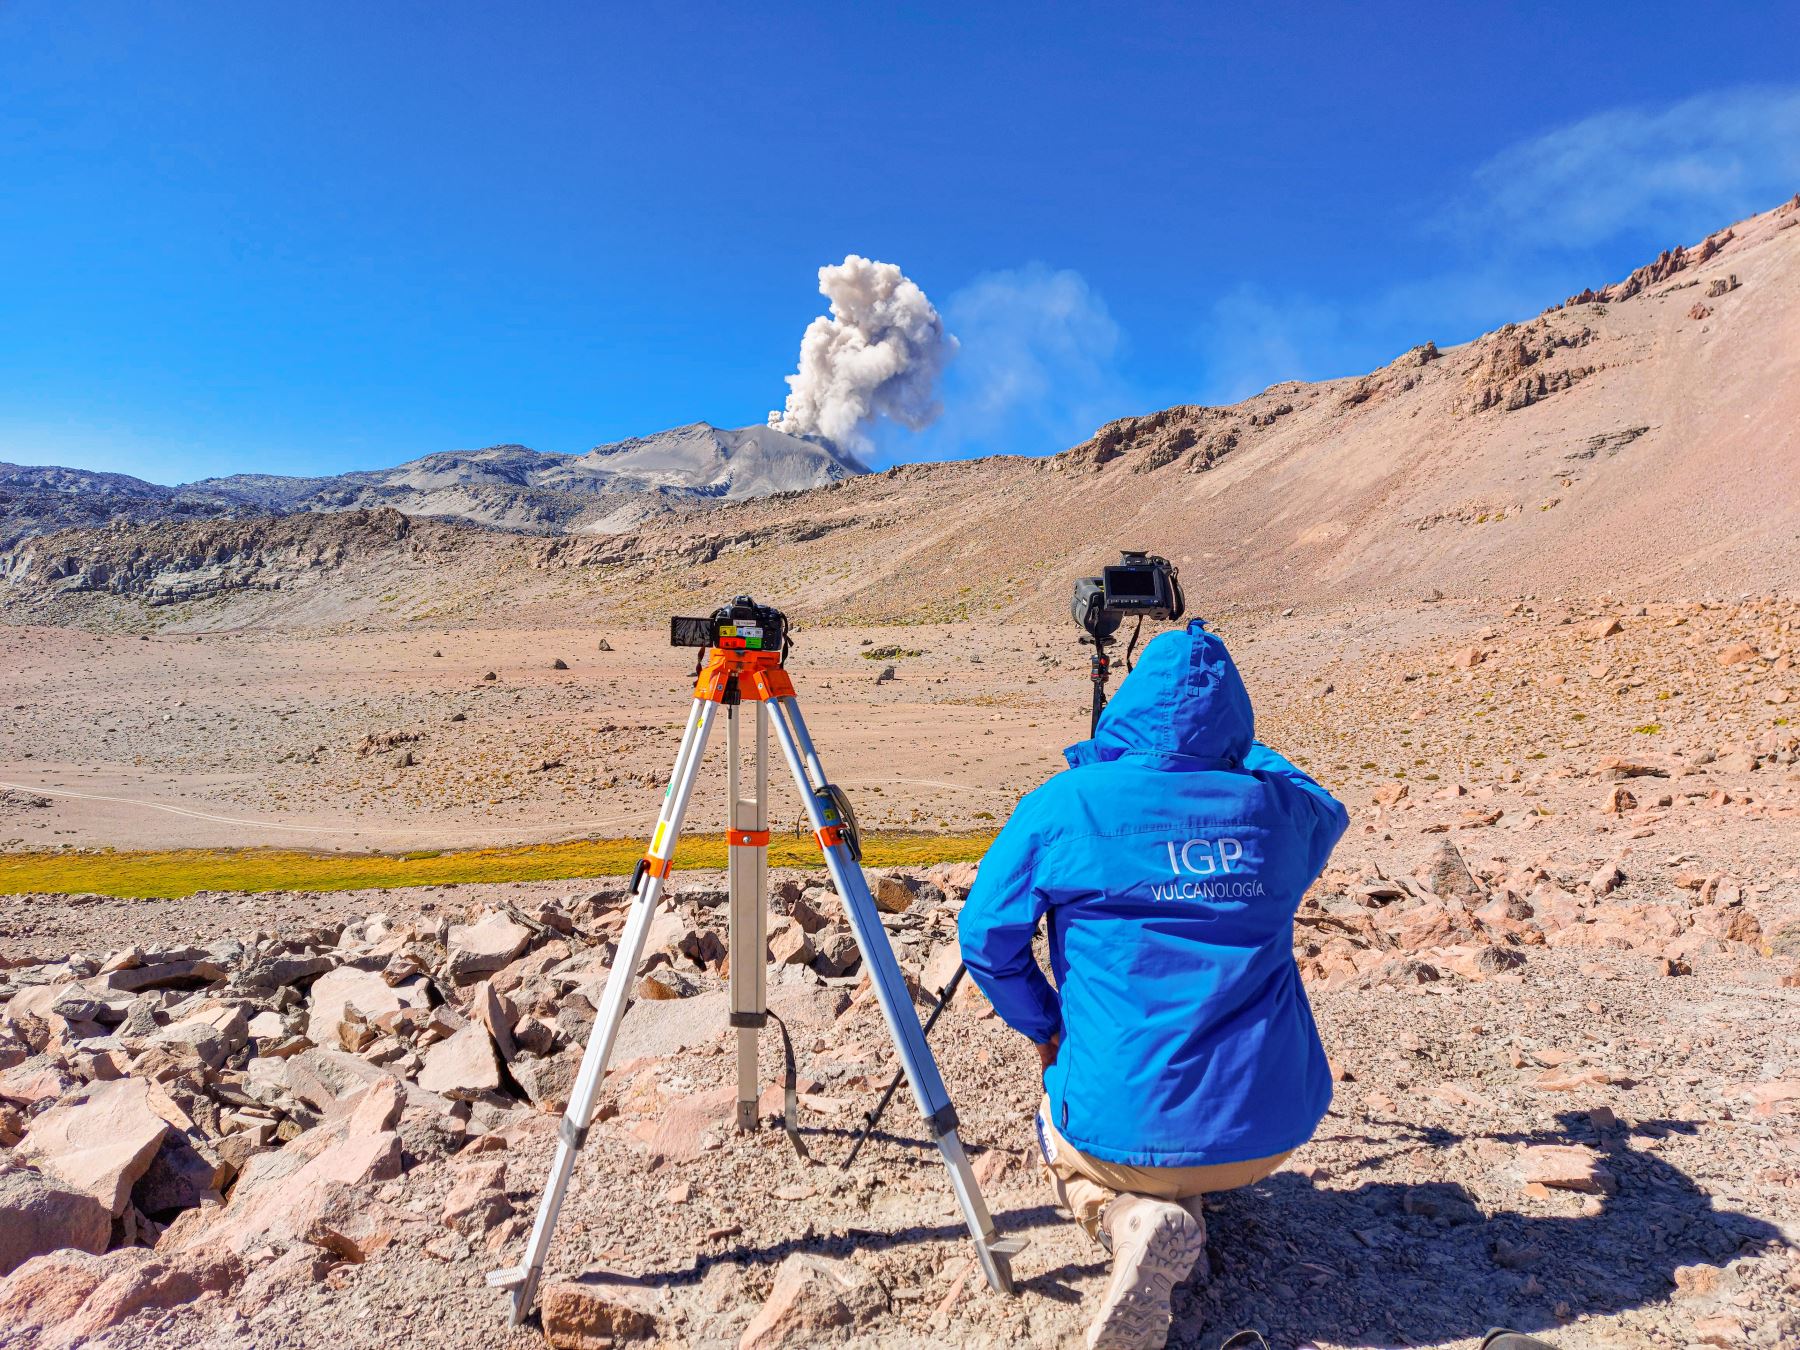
{"type": "Point", "coordinates": [896, 1005]}
{"type": "Point", "coordinates": [747, 872]}
{"type": "Point", "coordinates": [522, 1280]}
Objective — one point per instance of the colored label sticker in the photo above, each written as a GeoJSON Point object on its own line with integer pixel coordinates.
{"type": "Point", "coordinates": [662, 828]}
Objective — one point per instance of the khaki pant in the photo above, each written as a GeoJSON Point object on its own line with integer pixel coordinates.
{"type": "Point", "coordinates": [1086, 1186]}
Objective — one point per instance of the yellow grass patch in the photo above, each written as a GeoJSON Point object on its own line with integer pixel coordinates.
{"type": "Point", "coordinates": [179, 872]}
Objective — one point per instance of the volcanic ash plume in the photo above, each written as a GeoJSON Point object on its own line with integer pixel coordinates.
{"type": "Point", "coordinates": [878, 355]}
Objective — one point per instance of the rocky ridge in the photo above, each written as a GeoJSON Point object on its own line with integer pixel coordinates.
{"type": "Point", "coordinates": [1304, 492]}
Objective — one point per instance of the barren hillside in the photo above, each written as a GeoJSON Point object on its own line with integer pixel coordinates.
{"type": "Point", "coordinates": [1641, 440]}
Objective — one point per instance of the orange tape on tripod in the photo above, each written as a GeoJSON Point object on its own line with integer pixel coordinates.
{"type": "Point", "coordinates": [747, 838]}
{"type": "Point", "coordinates": [759, 676]}
{"type": "Point", "coordinates": [658, 867]}
{"type": "Point", "coordinates": [830, 836]}
{"type": "Point", "coordinates": [770, 684]}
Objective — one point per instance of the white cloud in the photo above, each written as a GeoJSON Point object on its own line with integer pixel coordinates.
{"type": "Point", "coordinates": [1679, 171]}
{"type": "Point", "coordinates": [1580, 205]}
{"type": "Point", "coordinates": [1037, 372]}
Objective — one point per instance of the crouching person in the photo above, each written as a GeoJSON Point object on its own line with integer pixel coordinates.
{"type": "Point", "coordinates": [1179, 1052]}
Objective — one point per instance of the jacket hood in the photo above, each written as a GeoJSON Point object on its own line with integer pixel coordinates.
{"type": "Point", "coordinates": [1183, 706]}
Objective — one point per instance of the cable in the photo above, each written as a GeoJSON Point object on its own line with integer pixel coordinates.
{"type": "Point", "coordinates": [1131, 646]}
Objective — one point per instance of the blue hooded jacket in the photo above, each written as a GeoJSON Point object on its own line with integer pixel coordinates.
{"type": "Point", "coordinates": [1170, 858]}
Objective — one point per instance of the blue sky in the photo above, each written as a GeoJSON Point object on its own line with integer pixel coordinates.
{"type": "Point", "coordinates": [307, 238]}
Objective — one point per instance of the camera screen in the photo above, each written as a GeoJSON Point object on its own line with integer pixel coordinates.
{"type": "Point", "coordinates": [684, 632]}
{"type": "Point", "coordinates": [1131, 583]}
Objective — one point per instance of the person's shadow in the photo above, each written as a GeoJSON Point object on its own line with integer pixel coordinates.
{"type": "Point", "coordinates": [1387, 1263]}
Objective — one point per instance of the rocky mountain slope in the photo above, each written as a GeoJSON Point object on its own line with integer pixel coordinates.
{"type": "Point", "coordinates": [41, 500]}
{"type": "Point", "coordinates": [1639, 440]}
{"type": "Point", "coordinates": [511, 487]}
{"type": "Point", "coordinates": [504, 487]}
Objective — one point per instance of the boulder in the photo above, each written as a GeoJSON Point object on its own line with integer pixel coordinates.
{"type": "Point", "coordinates": [1619, 801]}
{"type": "Point", "coordinates": [655, 1029]}
{"type": "Point", "coordinates": [548, 1080]}
{"type": "Point", "coordinates": [1736, 654]}
{"type": "Point", "coordinates": [1446, 875]}
{"type": "Point", "coordinates": [1567, 1167]}
{"type": "Point", "coordinates": [40, 1214]}
{"type": "Point", "coordinates": [838, 953]}
{"type": "Point", "coordinates": [954, 879]}
{"type": "Point", "coordinates": [99, 1140]}
{"type": "Point", "coordinates": [377, 1108]}
{"type": "Point", "coordinates": [939, 967]}
{"type": "Point", "coordinates": [791, 946]}
{"type": "Point", "coordinates": [477, 948]}
{"type": "Point", "coordinates": [895, 894]}
{"type": "Point", "coordinates": [463, 1066]}
{"type": "Point", "coordinates": [282, 1192]}
{"type": "Point", "coordinates": [664, 984]}
{"type": "Point", "coordinates": [596, 1312]}
{"type": "Point", "coordinates": [192, 973]}
{"type": "Point", "coordinates": [814, 1299]}
{"type": "Point", "coordinates": [349, 1225]}
{"type": "Point", "coordinates": [804, 913]}
{"type": "Point", "coordinates": [371, 994]}
{"type": "Point", "coordinates": [132, 1281]}
{"type": "Point", "coordinates": [49, 1290]}
{"type": "Point", "coordinates": [495, 1012]}
{"type": "Point", "coordinates": [205, 1039]}
{"type": "Point", "coordinates": [477, 1199]}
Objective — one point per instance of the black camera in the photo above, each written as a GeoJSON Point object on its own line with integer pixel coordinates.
{"type": "Point", "coordinates": [743, 625]}
{"type": "Point", "coordinates": [1141, 585]}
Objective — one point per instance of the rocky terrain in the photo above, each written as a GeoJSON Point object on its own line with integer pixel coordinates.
{"type": "Point", "coordinates": [504, 487]}
{"type": "Point", "coordinates": [1556, 963]}
{"type": "Point", "coordinates": [276, 1119]}
{"type": "Point", "coordinates": [1526, 605]}
{"type": "Point", "coordinates": [1624, 442]}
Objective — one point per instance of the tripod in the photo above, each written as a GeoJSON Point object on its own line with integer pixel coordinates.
{"type": "Point", "coordinates": [1099, 672]}
{"type": "Point", "coordinates": [729, 678]}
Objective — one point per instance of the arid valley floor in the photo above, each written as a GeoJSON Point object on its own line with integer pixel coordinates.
{"type": "Point", "coordinates": [1569, 1091]}
{"type": "Point", "coordinates": [1525, 604]}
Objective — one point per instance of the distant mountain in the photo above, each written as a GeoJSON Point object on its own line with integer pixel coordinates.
{"type": "Point", "coordinates": [507, 487]}
{"type": "Point", "coordinates": [41, 499]}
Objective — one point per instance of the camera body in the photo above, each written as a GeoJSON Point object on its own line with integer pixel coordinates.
{"type": "Point", "coordinates": [742, 625]}
{"type": "Point", "coordinates": [1140, 585]}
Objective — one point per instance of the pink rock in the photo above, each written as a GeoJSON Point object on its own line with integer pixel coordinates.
{"type": "Point", "coordinates": [379, 1108]}
{"type": "Point", "coordinates": [141, 1286]}
{"type": "Point", "coordinates": [366, 989]}
{"type": "Point", "coordinates": [813, 1296]}
{"type": "Point", "coordinates": [39, 1214]}
{"type": "Point", "coordinates": [477, 1201]}
{"type": "Point", "coordinates": [477, 948]}
{"type": "Point", "coordinates": [1568, 1167]}
{"type": "Point", "coordinates": [953, 879]}
{"type": "Point", "coordinates": [463, 1066]}
{"type": "Point", "coordinates": [594, 1314]}
{"type": "Point", "coordinates": [282, 1193]}
{"type": "Point", "coordinates": [100, 1140]}
{"type": "Point", "coordinates": [49, 1290]}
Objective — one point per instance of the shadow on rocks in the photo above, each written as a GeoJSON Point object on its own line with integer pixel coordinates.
{"type": "Point", "coordinates": [1390, 1263]}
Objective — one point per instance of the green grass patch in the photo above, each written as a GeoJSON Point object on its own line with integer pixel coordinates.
{"type": "Point", "coordinates": [173, 873]}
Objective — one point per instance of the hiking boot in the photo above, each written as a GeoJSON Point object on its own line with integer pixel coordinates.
{"type": "Point", "coordinates": [1155, 1243]}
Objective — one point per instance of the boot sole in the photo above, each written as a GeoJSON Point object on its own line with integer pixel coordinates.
{"type": "Point", "coordinates": [1138, 1317]}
